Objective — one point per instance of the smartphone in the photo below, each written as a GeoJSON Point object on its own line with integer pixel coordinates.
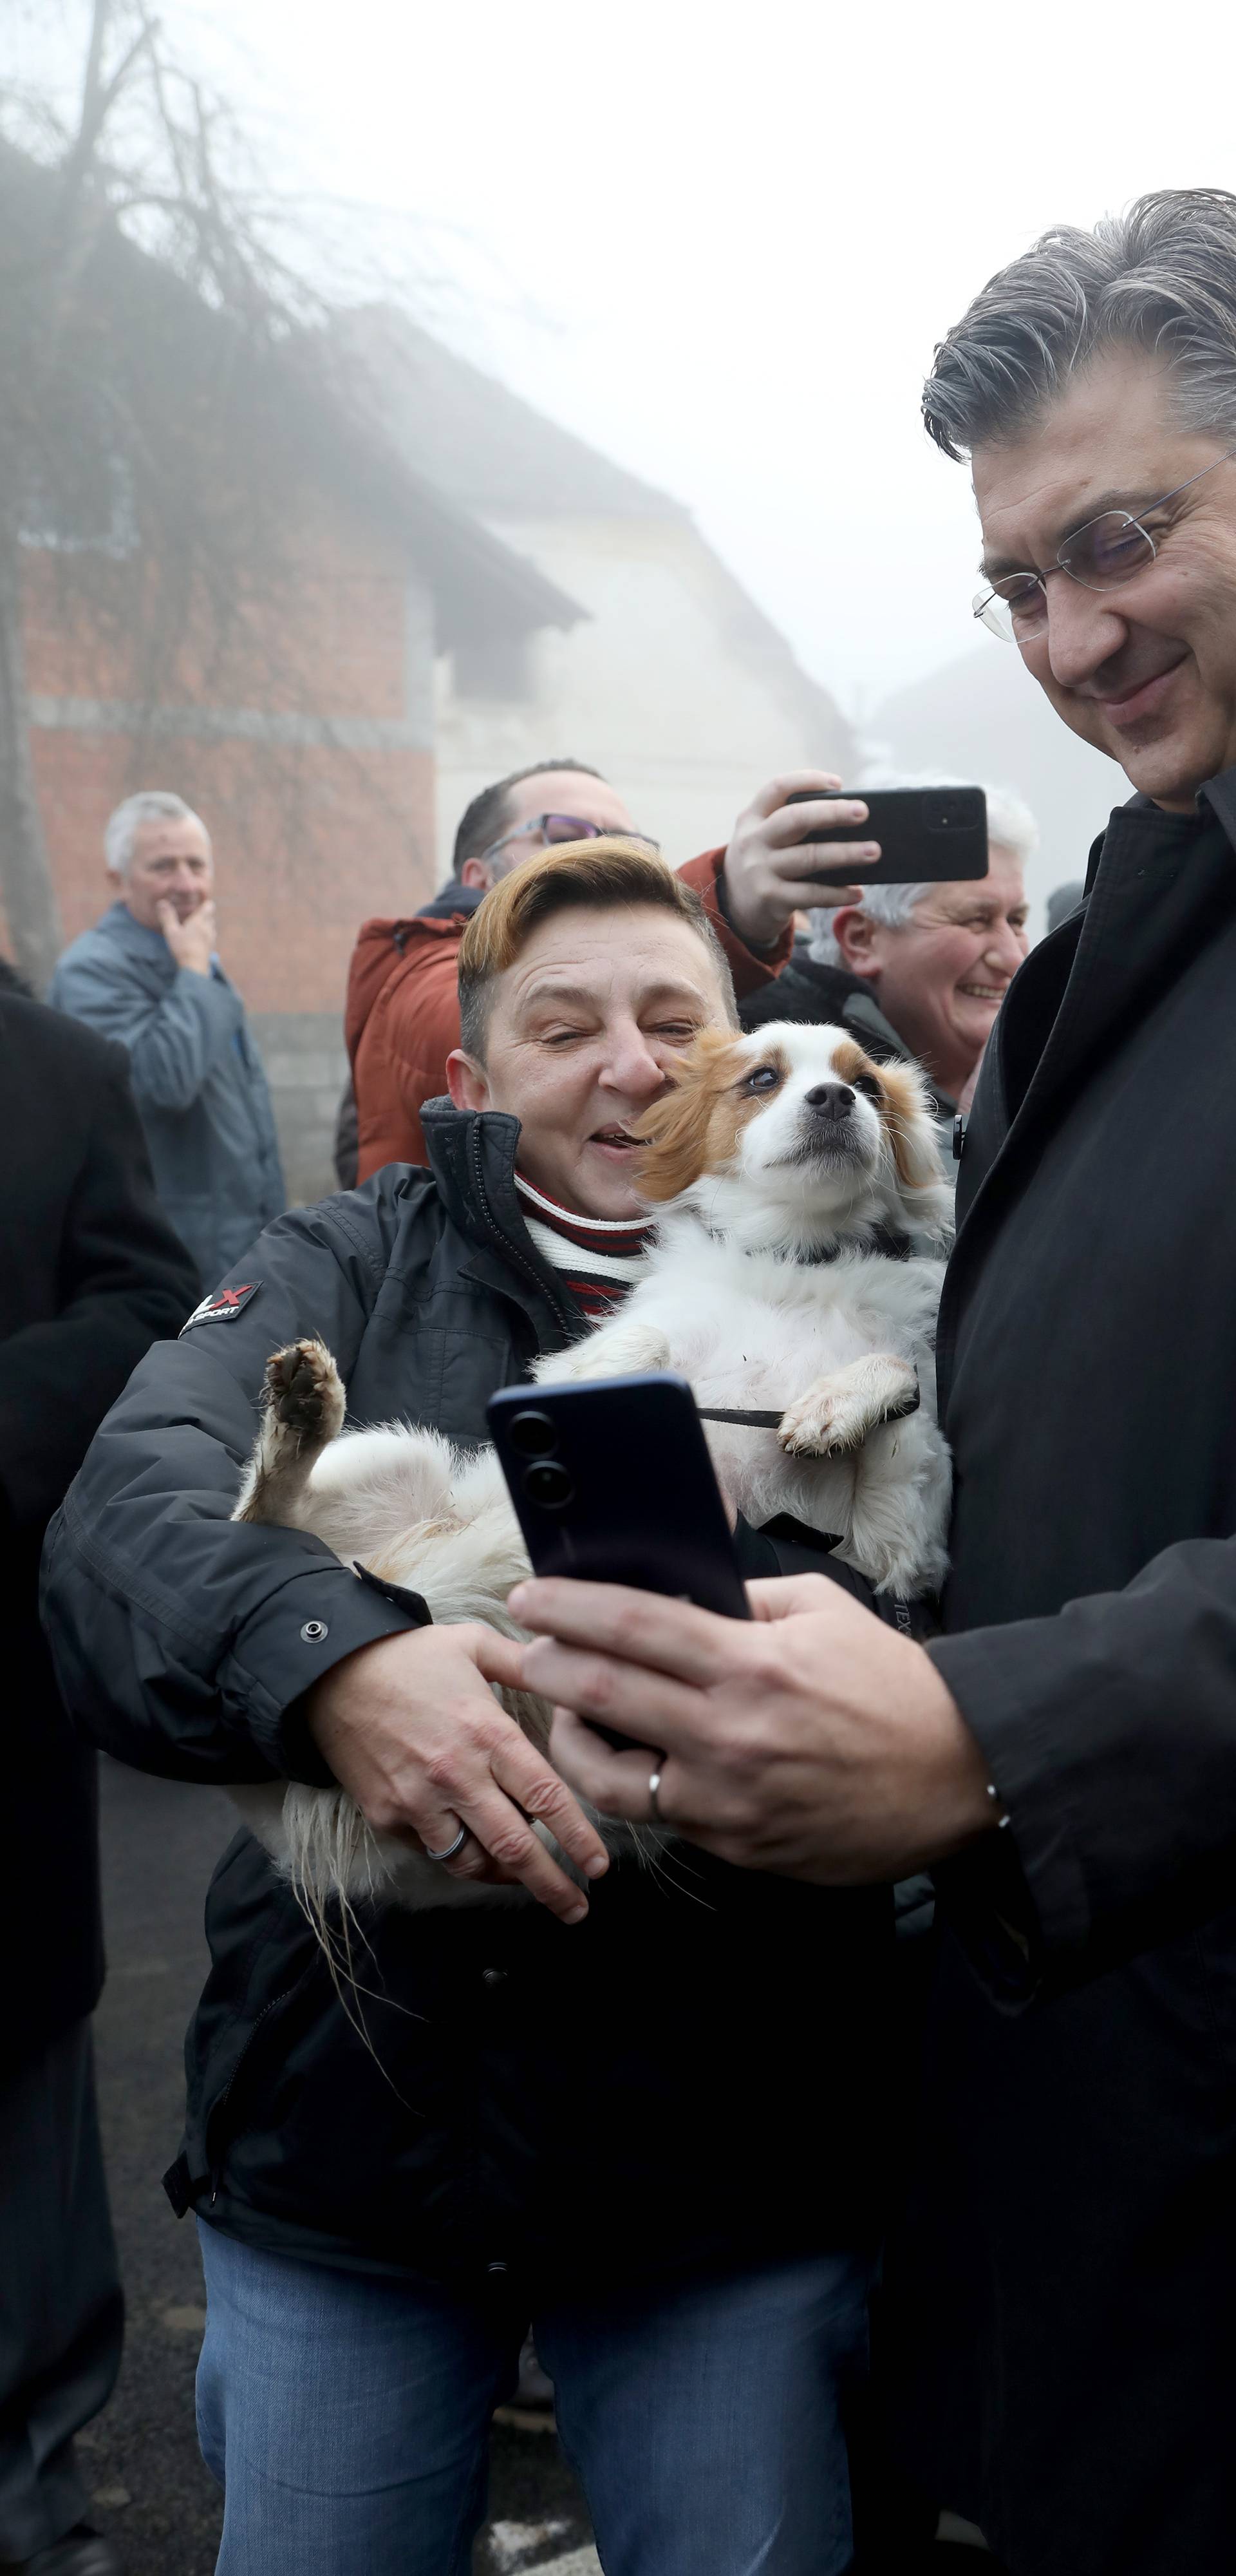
{"type": "Point", "coordinates": [925, 833]}
{"type": "Point", "coordinates": [613, 1483]}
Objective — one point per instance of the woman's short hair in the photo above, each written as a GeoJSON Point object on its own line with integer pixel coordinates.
{"type": "Point", "coordinates": [604, 875]}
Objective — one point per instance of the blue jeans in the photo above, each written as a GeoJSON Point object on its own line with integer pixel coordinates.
{"type": "Point", "coordinates": [347, 2417]}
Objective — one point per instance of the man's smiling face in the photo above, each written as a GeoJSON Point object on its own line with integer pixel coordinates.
{"type": "Point", "coordinates": [1147, 673]}
{"type": "Point", "coordinates": [583, 1030]}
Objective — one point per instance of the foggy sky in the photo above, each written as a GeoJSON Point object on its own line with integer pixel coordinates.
{"type": "Point", "coordinates": [719, 241]}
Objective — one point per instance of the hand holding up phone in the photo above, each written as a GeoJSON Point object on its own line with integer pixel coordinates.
{"type": "Point", "coordinates": [770, 873]}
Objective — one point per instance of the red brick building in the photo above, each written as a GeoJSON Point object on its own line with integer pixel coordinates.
{"type": "Point", "coordinates": [234, 589]}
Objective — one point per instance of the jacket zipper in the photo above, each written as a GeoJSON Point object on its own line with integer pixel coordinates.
{"type": "Point", "coordinates": [512, 1250]}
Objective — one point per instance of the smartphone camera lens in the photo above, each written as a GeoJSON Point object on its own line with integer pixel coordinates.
{"type": "Point", "coordinates": [532, 1434]}
{"type": "Point", "coordinates": [549, 1485]}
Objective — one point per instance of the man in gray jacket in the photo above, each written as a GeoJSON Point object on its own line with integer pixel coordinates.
{"type": "Point", "coordinates": [148, 974]}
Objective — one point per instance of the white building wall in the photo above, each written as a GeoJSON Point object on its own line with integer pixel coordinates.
{"type": "Point", "coordinates": [673, 687]}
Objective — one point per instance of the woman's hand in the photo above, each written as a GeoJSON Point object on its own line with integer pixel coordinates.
{"type": "Point", "coordinates": [815, 1741]}
{"type": "Point", "coordinates": [413, 1732]}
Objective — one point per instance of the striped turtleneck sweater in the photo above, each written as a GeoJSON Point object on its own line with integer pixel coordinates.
{"type": "Point", "coordinates": [600, 1258]}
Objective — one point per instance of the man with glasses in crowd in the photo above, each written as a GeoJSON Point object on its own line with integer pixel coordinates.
{"type": "Point", "coordinates": [402, 1009]}
{"type": "Point", "coordinates": [1065, 1753]}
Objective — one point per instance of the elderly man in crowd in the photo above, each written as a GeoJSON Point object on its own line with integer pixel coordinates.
{"type": "Point", "coordinates": [403, 1010]}
{"type": "Point", "coordinates": [1066, 1752]}
{"type": "Point", "coordinates": [917, 971]}
{"type": "Point", "coordinates": [614, 2128]}
{"type": "Point", "coordinates": [148, 975]}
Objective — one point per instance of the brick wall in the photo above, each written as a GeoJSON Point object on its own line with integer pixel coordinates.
{"type": "Point", "coordinates": [301, 730]}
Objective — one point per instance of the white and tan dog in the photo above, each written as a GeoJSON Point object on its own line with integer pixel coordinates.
{"type": "Point", "coordinates": [796, 1268]}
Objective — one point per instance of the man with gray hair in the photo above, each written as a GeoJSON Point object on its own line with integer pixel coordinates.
{"type": "Point", "coordinates": [917, 972]}
{"type": "Point", "coordinates": [1064, 1753]}
{"type": "Point", "coordinates": [148, 974]}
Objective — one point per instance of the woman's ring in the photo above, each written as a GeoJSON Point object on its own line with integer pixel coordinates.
{"type": "Point", "coordinates": [654, 1792]}
{"type": "Point", "coordinates": [450, 1849]}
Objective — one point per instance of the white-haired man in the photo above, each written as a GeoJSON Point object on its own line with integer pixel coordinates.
{"type": "Point", "coordinates": [918, 971]}
{"type": "Point", "coordinates": [148, 974]}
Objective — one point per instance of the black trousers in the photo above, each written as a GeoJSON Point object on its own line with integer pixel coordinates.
{"type": "Point", "coordinates": [61, 2309]}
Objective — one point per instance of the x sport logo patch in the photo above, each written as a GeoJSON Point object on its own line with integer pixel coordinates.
{"type": "Point", "coordinates": [224, 1306]}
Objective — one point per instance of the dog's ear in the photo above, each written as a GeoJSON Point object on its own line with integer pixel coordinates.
{"type": "Point", "coordinates": [675, 1131]}
{"type": "Point", "coordinates": [911, 1134]}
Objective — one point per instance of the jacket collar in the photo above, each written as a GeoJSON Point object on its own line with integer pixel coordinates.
{"type": "Point", "coordinates": [472, 1155]}
{"type": "Point", "coordinates": [118, 923]}
{"type": "Point", "coordinates": [1159, 887]}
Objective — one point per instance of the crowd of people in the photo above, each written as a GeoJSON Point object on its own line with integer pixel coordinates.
{"type": "Point", "coordinates": [820, 2229]}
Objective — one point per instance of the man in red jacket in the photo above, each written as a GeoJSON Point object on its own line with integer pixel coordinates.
{"type": "Point", "coordinates": [402, 1009]}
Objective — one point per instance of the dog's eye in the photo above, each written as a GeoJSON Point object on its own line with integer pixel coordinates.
{"type": "Point", "coordinates": [764, 1078]}
{"type": "Point", "coordinates": [869, 1086]}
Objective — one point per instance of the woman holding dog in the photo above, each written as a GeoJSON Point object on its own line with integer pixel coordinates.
{"type": "Point", "coordinates": [617, 2113]}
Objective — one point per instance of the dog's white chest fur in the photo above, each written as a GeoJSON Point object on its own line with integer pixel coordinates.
{"type": "Point", "coordinates": [754, 1332]}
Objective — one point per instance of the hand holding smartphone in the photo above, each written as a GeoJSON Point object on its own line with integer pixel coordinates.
{"type": "Point", "coordinates": [925, 834]}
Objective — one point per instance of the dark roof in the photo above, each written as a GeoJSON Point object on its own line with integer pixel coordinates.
{"type": "Point", "coordinates": [475, 439]}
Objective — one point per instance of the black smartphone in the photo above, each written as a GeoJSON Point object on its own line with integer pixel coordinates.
{"type": "Point", "coordinates": [925, 833]}
{"type": "Point", "coordinates": [613, 1483]}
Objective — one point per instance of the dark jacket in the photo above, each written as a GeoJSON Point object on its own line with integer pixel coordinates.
{"type": "Point", "coordinates": [694, 2076]}
{"type": "Point", "coordinates": [1079, 2175]}
{"type": "Point", "coordinates": [809, 990]}
{"type": "Point", "coordinates": [89, 1273]}
{"type": "Point", "coordinates": [197, 1079]}
{"type": "Point", "coordinates": [402, 1017]}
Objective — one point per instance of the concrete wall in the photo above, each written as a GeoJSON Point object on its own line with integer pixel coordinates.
{"type": "Point", "coordinates": [307, 1066]}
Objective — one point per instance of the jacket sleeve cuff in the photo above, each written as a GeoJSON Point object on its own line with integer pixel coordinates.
{"type": "Point", "coordinates": [303, 1628]}
{"type": "Point", "coordinates": [751, 968]}
{"type": "Point", "coordinates": [992, 1678]}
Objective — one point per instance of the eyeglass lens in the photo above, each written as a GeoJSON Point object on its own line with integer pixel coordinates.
{"type": "Point", "coordinates": [568, 827]}
{"type": "Point", "coordinates": [1106, 552]}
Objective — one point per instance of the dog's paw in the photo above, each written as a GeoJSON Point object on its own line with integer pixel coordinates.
{"type": "Point", "coordinates": [836, 1414]}
{"type": "Point", "coordinates": [304, 1392]}
{"type": "Point", "coordinates": [602, 1355]}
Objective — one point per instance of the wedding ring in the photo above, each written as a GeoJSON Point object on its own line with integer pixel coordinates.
{"type": "Point", "coordinates": [654, 1791]}
{"type": "Point", "coordinates": [450, 1849]}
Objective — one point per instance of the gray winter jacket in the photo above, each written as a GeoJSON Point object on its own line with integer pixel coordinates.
{"type": "Point", "coordinates": [197, 1077]}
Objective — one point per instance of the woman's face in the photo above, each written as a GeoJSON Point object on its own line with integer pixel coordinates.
{"type": "Point", "coordinates": [583, 1031]}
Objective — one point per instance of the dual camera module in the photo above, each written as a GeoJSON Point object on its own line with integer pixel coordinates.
{"type": "Point", "coordinates": [545, 1481]}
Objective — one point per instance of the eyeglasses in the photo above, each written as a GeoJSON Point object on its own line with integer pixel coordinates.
{"type": "Point", "coordinates": [1102, 555]}
{"type": "Point", "coordinates": [549, 829]}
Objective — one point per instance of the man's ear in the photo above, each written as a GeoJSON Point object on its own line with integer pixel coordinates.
{"type": "Point", "coordinates": [476, 872]}
{"type": "Point", "coordinates": [467, 1081]}
{"type": "Point", "coordinates": [855, 934]}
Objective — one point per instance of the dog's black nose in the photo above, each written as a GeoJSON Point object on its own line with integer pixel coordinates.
{"type": "Point", "coordinates": [831, 1099]}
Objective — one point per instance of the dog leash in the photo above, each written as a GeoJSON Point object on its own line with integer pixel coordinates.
{"type": "Point", "coordinates": [753, 1421]}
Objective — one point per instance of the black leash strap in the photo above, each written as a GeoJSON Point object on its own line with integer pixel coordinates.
{"type": "Point", "coordinates": [754, 1421]}
{"type": "Point", "coordinates": [772, 1421]}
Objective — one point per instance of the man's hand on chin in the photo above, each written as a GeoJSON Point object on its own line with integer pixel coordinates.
{"type": "Point", "coordinates": [815, 1742]}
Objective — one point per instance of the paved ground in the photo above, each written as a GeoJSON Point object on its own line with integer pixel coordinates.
{"type": "Point", "coordinates": [160, 1843]}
